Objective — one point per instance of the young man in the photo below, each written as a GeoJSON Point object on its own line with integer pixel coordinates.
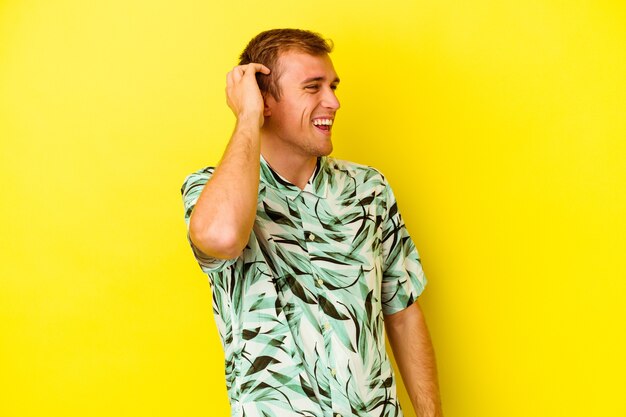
{"type": "Point", "coordinates": [306, 255]}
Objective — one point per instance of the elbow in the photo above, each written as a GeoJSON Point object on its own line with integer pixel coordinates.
{"type": "Point", "coordinates": [217, 241]}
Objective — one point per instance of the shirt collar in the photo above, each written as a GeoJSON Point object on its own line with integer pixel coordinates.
{"type": "Point", "coordinates": [317, 184]}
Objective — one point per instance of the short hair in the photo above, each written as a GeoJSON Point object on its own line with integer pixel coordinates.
{"type": "Point", "coordinates": [267, 47]}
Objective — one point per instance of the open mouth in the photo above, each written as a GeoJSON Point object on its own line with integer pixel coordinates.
{"type": "Point", "coordinates": [325, 125]}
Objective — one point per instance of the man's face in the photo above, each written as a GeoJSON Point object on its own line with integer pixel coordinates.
{"type": "Point", "coordinates": [300, 123]}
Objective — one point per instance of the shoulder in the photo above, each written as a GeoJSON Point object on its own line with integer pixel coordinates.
{"type": "Point", "coordinates": [360, 173]}
{"type": "Point", "coordinates": [196, 179]}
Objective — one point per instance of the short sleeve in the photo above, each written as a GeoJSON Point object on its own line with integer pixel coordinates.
{"type": "Point", "coordinates": [191, 189]}
{"type": "Point", "coordinates": [403, 277]}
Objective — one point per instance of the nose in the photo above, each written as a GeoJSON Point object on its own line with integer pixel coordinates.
{"type": "Point", "coordinates": [330, 100]}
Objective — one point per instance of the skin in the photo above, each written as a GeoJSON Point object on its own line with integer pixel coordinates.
{"type": "Point", "coordinates": [283, 132]}
{"type": "Point", "coordinates": [413, 350]}
{"type": "Point", "coordinates": [290, 142]}
{"type": "Point", "coordinates": [224, 214]}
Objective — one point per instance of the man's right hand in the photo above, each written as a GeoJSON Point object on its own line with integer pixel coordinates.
{"type": "Point", "coordinates": [243, 94]}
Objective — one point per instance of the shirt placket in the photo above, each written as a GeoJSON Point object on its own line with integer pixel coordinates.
{"type": "Point", "coordinates": [313, 233]}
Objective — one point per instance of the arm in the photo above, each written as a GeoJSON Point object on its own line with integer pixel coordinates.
{"type": "Point", "coordinates": [413, 350]}
{"type": "Point", "coordinates": [224, 214]}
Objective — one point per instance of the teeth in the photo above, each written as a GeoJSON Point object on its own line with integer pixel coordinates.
{"type": "Point", "coordinates": [326, 122]}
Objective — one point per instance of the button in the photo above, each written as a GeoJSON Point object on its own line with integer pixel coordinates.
{"type": "Point", "coordinates": [333, 372]}
{"type": "Point", "coordinates": [311, 237]}
{"type": "Point", "coordinates": [337, 415]}
{"type": "Point", "coordinates": [326, 326]}
{"type": "Point", "coordinates": [320, 282]}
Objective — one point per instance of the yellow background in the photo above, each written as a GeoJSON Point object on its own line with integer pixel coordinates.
{"type": "Point", "coordinates": [500, 124]}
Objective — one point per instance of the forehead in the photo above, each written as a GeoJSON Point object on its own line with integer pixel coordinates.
{"type": "Point", "coordinates": [299, 66]}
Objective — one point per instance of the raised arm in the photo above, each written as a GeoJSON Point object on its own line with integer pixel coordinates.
{"type": "Point", "coordinates": [224, 214]}
{"type": "Point", "coordinates": [413, 350]}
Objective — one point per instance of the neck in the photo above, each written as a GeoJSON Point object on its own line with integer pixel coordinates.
{"type": "Point", "coordinates": [294, 168]}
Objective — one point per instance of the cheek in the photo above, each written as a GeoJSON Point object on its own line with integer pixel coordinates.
{"type": "Point", "coordinates": [305, 116]}
{"type": "Point", "coordinates": [304, 119]}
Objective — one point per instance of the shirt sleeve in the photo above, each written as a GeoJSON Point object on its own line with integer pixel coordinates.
{"type": "Point", "coordinates": [191, 189]}
{"type": "Point", "coordinates": [403, 278]}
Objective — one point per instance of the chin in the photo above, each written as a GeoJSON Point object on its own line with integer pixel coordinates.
{"type": "Point", "coordinates": [326, 151]}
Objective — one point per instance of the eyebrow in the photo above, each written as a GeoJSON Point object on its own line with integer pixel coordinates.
{"type": "Point", "coordinates": [318, 79]}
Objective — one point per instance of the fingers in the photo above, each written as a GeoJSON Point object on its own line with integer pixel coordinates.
{"type": "Point", "coordinates": [250, 69]}
{"type": "Point", "coordinates": [235, 76]}
{"type": "Point", "coordinates": [254, 68]}
{"type": "Point", "coordinates": [243, 95]}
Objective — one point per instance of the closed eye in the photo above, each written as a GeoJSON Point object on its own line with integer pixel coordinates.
{"type": "Point", "coordinates": [317, 87]}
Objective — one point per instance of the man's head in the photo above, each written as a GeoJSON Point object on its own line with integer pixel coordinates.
{"type": "Point", "coordinates": [267, 47]}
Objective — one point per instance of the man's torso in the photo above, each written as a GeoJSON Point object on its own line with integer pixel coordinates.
{"type": "Point", "coordinates": [300, 312]}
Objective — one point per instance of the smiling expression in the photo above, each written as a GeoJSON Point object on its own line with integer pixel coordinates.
{"type": "Point", "coordinates": [300, 123]}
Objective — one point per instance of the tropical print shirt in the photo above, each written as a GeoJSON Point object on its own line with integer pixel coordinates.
{"type": "Point", "coordinates": [300, 311]}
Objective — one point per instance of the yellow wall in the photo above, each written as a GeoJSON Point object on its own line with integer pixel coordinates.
{"type": "Point", "coordinates": [501, 126]}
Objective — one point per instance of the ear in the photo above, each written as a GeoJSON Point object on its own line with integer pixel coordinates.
{"type": "Point", "coordinates": [267, 105]}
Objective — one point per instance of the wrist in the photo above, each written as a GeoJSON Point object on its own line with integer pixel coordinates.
{"type": "Point", "coordinates": [250, 118]}
{"type": "Point", "coordinates": [249, 125]}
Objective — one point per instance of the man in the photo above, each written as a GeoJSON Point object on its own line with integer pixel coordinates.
{"type": "Point", "coordinates": [305, 254]}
